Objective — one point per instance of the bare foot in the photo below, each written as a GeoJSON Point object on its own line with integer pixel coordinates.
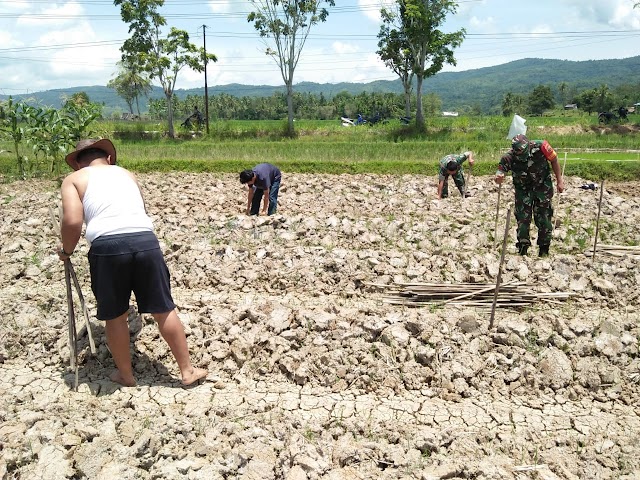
{"type": "Point", "coordinates": [193, 375]}
{"type": "Point", "coordinates": [117, 377]}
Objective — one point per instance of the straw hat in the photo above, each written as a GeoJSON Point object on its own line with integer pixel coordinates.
{"type": "Point", "coordinates": [103, 144]}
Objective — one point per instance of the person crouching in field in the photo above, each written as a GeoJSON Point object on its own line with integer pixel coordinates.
{"type": "Point", "coordinates": [263, 181]}
{"type": "Point", "coordinates": [529, 163]}
{"type": "Point", "coordinates": [451, 165]}
{"type": "Point", "coordinates": [124, 254]}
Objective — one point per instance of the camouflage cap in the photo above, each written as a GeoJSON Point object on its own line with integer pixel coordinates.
{"type": "Point", "coordinates": [519, 143]}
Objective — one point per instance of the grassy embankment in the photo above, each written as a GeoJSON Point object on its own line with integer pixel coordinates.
{"type": "Point", "coordinates": [328, 147]}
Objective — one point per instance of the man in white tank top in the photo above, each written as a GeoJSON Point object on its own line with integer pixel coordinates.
{"type": "Point", "coordinates": [124, 257]}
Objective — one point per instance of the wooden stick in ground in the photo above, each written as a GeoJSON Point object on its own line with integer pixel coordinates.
{"type": "Point", "coordinates": [83, 306]}
{"type": "Point", "coordinates": [495, 229]}
{"type": "Point", "coordinates": [504, 249]}
{"type": "Point", "coordinates": [73, 339]}
{"type": "Point", "coordinates": [70, 274]}
{"type": "Point", "coordinates": [556, 222]}
{"type": "Point", "coordinates": [71, 314]}
{"type": "Point", "coordinates": [595, 240]}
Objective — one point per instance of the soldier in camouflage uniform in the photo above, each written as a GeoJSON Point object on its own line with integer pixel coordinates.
{"type": "Point", "coordinates": [529, 163]}
{"type": "Point", "coordinates": [452, 165]}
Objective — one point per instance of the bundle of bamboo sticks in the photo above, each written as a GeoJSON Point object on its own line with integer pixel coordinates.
{"type": "Point", "coordinates": [510, 295]}
{"type": "Point", "coordinates": [619, 251]}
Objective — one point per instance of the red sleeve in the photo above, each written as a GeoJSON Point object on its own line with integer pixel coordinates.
{"type": "Point", "coordinates": [548, 151]}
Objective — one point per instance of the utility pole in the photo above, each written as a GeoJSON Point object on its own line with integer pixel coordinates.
{"type": "Point", "coordinates": [206, 88]}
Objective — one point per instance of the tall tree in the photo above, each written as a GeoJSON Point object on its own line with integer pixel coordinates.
{"type": "Point", "coordinates": [395, 51]}
{"type": "Point", "coordinates": [563, 88]}
{"type": "Point", "coordinates": [603, 100]}
{"type": "Point", "coordinates": [586, 100]}
{"type": "Point", "coordinates": [161, 58]}
{"type": "Point", "coordinates": [541, 99]}
{"type": "Point", "coordinates": [432, 104]}
{"type": "Point", "coordinates": [287, 23]}
{"type": "Point", "coordinates": [513, 103]}
{"type": "Point", "coordinates": [79, 98]}
{"type": "Point", "coordinates": [430, 47]}
{"type": "Point", "coordinates": [130, 85]}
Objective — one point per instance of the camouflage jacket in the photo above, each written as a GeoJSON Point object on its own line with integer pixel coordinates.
{"type": "Point", "coordinates": [532, 168]}
{"type": "Point", "coordinates": [458, 158]}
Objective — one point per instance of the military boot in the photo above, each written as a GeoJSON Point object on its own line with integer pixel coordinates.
{"type": "Point", "coordinates": [522, 249]}
{"type": "Point", "coordinates": [544, 251]}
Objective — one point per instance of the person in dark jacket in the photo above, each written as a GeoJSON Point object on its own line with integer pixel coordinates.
{"type": "Point", "coordinates": [263, 181]}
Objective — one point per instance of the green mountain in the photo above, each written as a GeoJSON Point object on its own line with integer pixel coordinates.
{"type": "Point", "coordinates": [484, 87]}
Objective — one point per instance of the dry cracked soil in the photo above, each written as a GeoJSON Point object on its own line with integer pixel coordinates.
{"type": "Point", "coordinates": [312, 373]}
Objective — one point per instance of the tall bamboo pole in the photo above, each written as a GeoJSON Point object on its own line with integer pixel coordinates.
{"type": "Point", "coordinates": [495, 229]}
{"type": "Point", "coordinates": [206, 87]}
{"type": "Point", "coordinates": [504, 249]}
{"type": "Point", "coordinates": [595, 240]}
{"type": "Point", "coordinates": [556, 222]}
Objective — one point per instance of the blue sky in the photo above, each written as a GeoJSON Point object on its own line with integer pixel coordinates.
{"type": "Point", "coordinates": [46, 45]}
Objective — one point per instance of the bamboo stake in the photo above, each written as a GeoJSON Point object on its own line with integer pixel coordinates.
{"type": "Point", "coordinates": [70, 274]}
{"type": "Point", "coordinates": [495, 229]}
{"type": "Point", "coordinates": [83, 306]}
{"type": "Point", "coordinates": [595, 240]}
{"type": "Point", "coordinates": [73, 335]}
{"type": "Point", "coordinates": [556, 223]}
{"type": "Point", "coordinates": [504, 249]}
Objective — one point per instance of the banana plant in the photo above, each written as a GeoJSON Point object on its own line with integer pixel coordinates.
{"type": "Point", "coordinates": [49, 133]}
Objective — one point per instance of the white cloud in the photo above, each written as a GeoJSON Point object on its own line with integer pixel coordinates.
{"type": "Point", "coordinates": [96, 65]}
{"type": "Point", "coordinates": [16, 6]}
{"type": "Point", "coordinates": [541, 29]}
{"type": "Point", "coordinates": [220, 6]}
{"type": "Point", "coordinates": [487, 23]}
{"type": "Point", "coordinates": [625, 17]}
{"type": "Point", "coordinates": [341, 47]}
{"type": "Point", "coordinates": [371, 8]}
{"type": "Point", "coordinates": [9, 41]}
{"type": "Point", "coordinates": [80, 33]}
{"type": "Point", "coordinates": [55, 15]}
{"type": "Point", "coordinates": [612, 13]}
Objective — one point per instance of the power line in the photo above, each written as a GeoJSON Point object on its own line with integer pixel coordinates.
{"type": "Point", "coordinates": [590, 35]}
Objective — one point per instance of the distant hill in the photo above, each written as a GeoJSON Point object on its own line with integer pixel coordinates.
{"type": "Point", "coordinates": [484, 87]}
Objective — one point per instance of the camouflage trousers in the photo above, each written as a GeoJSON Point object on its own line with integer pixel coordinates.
{"type": "Point", "coordinates": [534, 202]}
{"type": "Point", "coordinates": [458, 179]}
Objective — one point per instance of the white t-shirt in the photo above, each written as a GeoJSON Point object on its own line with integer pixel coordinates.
{"type": "Point", "coordinates": [113, 204]}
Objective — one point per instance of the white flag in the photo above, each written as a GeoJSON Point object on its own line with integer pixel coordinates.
{"type": "Point", "coordinates": [517, 127]}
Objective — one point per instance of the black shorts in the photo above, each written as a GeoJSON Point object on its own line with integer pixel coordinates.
{"type": "Point", "coordinates": [125, 263]}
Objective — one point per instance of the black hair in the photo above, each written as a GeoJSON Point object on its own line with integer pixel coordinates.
{"type": "Point", "coordinates": [90, 154]}
{"type": "Point", "coordinates": [452, 165]}
{"type": "Point", "coordinates": [246, 176]}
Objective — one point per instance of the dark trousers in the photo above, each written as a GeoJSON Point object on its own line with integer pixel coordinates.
{"type": "Point", "coordinates": [458, 179]}
{"type": "Point", "coordinates": [273, 199]}
{"type": "Point", "coordinates": [534, 203]}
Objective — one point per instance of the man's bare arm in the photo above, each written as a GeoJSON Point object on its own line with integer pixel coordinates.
{"type": "Point", "coordinates": [555, 166]}
{"type": "Point", "coordinates": [72, 216]}
{"type": "Point", "coordinates": [265, 201]}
